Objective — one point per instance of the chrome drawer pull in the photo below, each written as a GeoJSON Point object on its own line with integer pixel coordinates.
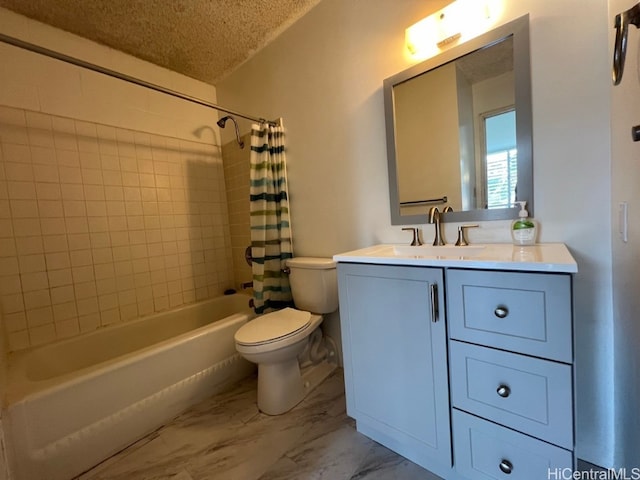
{"type": "Point", "coordinates": [506, 466]}
{"type": "Point", "coordinates": [501, 312]}
{"type": "Point", "coordinates": [504, 391]}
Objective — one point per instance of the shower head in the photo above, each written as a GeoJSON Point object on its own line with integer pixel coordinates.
{"type": "Point", "coordinates": [222, 122]}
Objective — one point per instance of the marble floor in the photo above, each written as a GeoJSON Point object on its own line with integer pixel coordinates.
{"type": "Point", "coordinates": [227, 438]}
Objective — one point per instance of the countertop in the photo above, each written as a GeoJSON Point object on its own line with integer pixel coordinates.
{"type": "Point", "coordinates": [543, 257]}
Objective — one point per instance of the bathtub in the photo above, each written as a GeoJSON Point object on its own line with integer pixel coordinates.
{"type": "Point", "coordinates": [74, 403]}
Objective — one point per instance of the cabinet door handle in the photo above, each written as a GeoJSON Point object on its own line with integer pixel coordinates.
{"type": "Point", "coordinates": [506, 466]}
{"type": "Point", "coordinates": [501, 311]}
{"type": "Point", "coordinates": [504, 391]}
{"type": "Point", "coordinates": [433, 297]}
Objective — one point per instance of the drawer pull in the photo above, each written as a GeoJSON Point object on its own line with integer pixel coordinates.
{"type": "Point", "coordinates": [501, 312]}
{"type": "Point", "coordinates": [506, 466]}
{"type": "Point", "coordinates": [504, 391]}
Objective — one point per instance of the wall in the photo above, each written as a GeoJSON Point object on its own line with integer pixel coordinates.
{"type": "Point", "coordinates": [112, 197]}
{"type": "Point", "coordinates": [4, 469]}
{"type": "Point", "coordinates": [466, 148]}
{"type": "Point", "coordinates": [4, 475]}
{"type": "Point", "coordinates": [324, 77]}
{"type": "Point", "coordinates": [419, 128]}
{"type": "Point", "coordinates": [626, 255]}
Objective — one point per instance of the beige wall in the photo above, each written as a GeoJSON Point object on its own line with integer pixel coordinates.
{"type": "Point", "coordinates": [3, 379]}
{"type": "Point", "coordinates": [428, 139]}
{"type": "Point", "coordinates": [112, 197]}
{"type": "Point", "coordinates": [4, 468]}
{"type": "Point", "coordinates": [324, 77]}
{"type": "Point", "coordinates": [38, 83]}
{"type": "Point", "coordinates": [624, 188]}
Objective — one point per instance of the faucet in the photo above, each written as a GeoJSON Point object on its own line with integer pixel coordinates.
{"type": "Point", "coordinates": [434, 218]}
{"type": "Point", "coordinates": [416, 236]}
{"type": "Point", "coordinates": [462, 237]}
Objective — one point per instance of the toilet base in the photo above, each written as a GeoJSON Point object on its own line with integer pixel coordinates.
{"type": "Point", "coordinates": [284, 385]}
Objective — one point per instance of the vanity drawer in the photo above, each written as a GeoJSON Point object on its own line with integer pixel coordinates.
{"type": "Point", "coordinates": [484, 450]}
{"type": "Point", "coordinates": [527, 394]}
{"type": "Point", "coordinates": [525, 312]}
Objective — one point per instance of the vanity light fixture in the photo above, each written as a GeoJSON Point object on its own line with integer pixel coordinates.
{"type": "Point", "coordinates": [458, 21]}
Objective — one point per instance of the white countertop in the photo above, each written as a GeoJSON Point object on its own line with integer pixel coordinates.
{"type": "Point", "coordinates": [544, 257]}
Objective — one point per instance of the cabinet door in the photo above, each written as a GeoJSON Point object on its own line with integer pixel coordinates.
{"type": "Point", "coordinates": [394, 343]}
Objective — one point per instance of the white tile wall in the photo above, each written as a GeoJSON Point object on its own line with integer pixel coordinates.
{"type": "Point", "coordinates": [100, 225]}
{"type": "Point", "coordinates": [236, 174]}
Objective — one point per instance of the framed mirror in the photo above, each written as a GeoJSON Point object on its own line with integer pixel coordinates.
{"type": "Point", "coordinates": [459, 130]}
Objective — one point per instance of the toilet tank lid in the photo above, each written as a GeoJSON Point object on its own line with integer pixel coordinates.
{"type": "Point", "coordinates": [311, 263]}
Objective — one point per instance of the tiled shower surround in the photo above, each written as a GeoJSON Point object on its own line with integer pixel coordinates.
{"type": "Point", "coordinates": [236, 174]}
{"type": "Point", "coordinates": [100, 225]}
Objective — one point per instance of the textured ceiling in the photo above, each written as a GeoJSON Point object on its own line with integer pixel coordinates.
{"type": "Point", "coordinates": [488, 62]}
{"type": "Point", "coordinates": [203, 39]}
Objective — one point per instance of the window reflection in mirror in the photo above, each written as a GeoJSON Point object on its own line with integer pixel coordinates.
{"type": "Point", "coordinates": [500, 160]}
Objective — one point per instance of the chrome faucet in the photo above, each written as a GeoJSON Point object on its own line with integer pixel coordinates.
{"type": "Point", "coordinates": [434, 218]}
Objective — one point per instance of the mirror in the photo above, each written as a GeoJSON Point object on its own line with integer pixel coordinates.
{"type": "Point", "coordinates": [459, 130]}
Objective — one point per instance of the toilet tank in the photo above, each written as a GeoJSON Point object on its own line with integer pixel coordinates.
{"type": "Point", "coordinates": [314, 284]}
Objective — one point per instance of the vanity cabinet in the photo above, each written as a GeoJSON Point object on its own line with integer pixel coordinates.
{"type": "Point", "coordinates": [395, 358]}
{"type": "Point", "coordinates": [510, 366]}
{"type": "Point", "coordinates": [466, 371]}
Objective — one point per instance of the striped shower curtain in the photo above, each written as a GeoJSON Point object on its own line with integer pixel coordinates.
{"type": "Point", "coordinates": [271, 243]}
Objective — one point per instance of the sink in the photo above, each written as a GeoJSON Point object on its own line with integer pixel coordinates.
{"type": "Point", "coordinates": [440, 251]}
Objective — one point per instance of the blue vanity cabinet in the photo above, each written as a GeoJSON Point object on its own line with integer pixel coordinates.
{"type": "Point", "coordinates": [395, 359]}
{"type": "Point", "coordinates": [511, 372]}
{"type": "Point", "coordinates": [464, 365]}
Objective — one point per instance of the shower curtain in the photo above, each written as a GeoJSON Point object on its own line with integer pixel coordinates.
{"type": "Point", "coordinates": [271, 243]}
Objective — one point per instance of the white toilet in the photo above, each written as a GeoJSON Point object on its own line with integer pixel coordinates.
{"type": "Point", "coordinates": [292, 355]}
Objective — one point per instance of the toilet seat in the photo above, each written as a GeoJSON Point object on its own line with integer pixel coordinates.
{"type": "Point", "coordinates": [273, 327]}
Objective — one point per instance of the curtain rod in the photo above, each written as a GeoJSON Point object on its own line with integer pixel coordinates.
{"type": "Point", "coordinates": [121, 76]}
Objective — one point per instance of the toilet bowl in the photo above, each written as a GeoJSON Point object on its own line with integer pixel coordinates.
{"type": "Point", "coordinates": [292, 355]}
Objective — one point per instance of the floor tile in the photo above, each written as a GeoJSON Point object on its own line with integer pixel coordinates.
{"type": "Point", "coordinates": [227, 438]}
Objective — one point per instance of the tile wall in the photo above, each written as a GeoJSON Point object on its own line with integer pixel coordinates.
{"type": "Point", "coordinates": [236, 174]}
{"type": "Point", "coordinates": [100, 225]}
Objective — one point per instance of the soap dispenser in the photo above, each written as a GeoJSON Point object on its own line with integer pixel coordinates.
{"type": "Point", "coordinates": [524, 229]}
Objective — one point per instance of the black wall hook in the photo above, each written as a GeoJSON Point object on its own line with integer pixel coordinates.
{"type": "Point", "coordinates": [631, 16]}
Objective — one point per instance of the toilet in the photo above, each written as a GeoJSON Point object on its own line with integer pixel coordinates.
{"type": "Point", "coordinates": [292, 355]}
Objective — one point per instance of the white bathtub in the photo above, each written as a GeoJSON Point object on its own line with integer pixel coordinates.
{"type": "Point", "coordinates": [74, 403]}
